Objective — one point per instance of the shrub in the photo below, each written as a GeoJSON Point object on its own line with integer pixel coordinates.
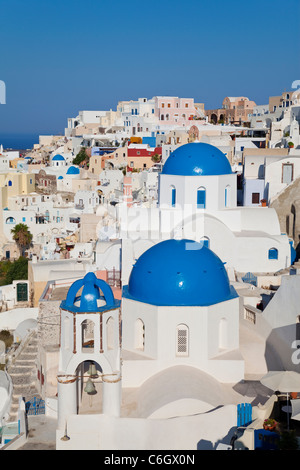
{"type": "Point", "coordinates": [7, 338]}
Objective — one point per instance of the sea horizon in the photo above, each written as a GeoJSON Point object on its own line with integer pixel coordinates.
{"type": "Point", "coordinates": [19, 141]}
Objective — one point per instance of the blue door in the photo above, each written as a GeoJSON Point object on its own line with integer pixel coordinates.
{"type": "Point", "coordinates": [265, 440]}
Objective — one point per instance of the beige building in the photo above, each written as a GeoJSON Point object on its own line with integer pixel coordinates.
{"type": "Point", "coordinates": [86, 183]}
{"type": "Point", "coordinates": [39, 274]}
{"type": "Point", "coordinates": [282, 101]}
{"type": "Point", "coordinates": [14, 184]}
{"type": "Point", "coordinates": [112, 160]}
{"type": "Point", "coordinates": [177, 136]}
{"type": "Point", "coordinates": [235, 110]}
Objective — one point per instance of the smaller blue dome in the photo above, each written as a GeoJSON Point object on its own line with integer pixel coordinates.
{"type": "Point", "coordinates": [73, 171]}
{"type": "Point", "coordinates": [93, 290]}
{"type": "Point", "coordinates": [58, 158]}
{"type": "Point", "coordinates": [179, 273]}
{"type": "Point", "coordinates": [60, 178]}
{"type": "Point", "coordinates": [197, 159]}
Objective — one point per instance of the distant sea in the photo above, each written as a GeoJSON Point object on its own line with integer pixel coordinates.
{"type": "Point", "coordinates": [18, 141]}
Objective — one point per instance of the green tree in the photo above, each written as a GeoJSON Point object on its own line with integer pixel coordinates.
{"type": "Point", "coordinates": [22, 237]}
{"type": "Point", "coordinates": [80, 157]}
{"type": "Point", "coordinates": [156, 158]}
{"type": "Point", "coordinates": [17, 270]}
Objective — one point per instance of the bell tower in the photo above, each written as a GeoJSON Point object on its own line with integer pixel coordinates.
{"type": "Point", "coordinates": [90, 349]}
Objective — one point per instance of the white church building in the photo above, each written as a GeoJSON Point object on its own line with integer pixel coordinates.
{"type": "Point", "coordinates": [198, 201]}
{"type": "Point", "coordinates": [170, 351]}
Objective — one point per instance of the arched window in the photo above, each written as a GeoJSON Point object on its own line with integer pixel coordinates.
{"type": "Point", "coordinates": [10, 220]}
{"type": "Point", "coordinates": [182, 340]}
{"type": "Point", "coordinates": [273, 253]}
{"type": "Point", "coordinates": [139, 335]}
{"type": "Point", "coordinates": [87, 335]}
{"type": "Point", "coordinates": [173, 196]}
{"type": "Point", "coordinates": [162, 117]}
{"type": "Point", "coordinates": [110, 333]}
{"type": "Point", "coordinates": [227, 196]}
{"type": "Point", "coordinates": [223, 334]}
{"type": "Point", "coordinates": [201, 198]}
{"type": "Point", "coordinates": [9, 183]}
{"type": "Point", "coordinates": [167, 117]}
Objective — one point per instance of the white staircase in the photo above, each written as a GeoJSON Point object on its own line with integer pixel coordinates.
{"type": "Point", "coordinates": [22, 371]}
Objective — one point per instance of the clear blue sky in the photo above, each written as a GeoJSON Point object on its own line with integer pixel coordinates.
{"type": "Point", "coordinates": [61, 56]}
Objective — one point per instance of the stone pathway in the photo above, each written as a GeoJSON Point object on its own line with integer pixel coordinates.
{"type": "Point", "coordinates": [23, 374]}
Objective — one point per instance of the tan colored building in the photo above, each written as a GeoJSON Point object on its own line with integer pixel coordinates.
{"type": "Point", "coordinates": [112, 160]}
{"type": "Point", "coordinates": [85, 183]}
{"type": "Point", "coordinates": [235, 110]}
{"type": "Point", "coordinates": [282, 101]}
{"type": "Point", "coordinates": [177, 137]}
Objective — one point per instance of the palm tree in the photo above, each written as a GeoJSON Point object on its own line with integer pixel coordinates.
{"type": "Point", "coordinates": [22, 237]}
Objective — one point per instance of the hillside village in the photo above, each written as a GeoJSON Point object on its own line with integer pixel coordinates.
{"type": "Point", "coordinates": [149, 276]}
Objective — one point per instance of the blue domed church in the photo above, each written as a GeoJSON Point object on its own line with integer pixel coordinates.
{"type": "Point", "coordinates": [180, 309]}
{"type": "Point", "coordinates": [197, 200]}
{"type": "Point", "coordinates": [168, 352]}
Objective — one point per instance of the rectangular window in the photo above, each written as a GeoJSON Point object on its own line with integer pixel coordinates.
{"type": "Point", "coordinates": [173, 194]}
{"type": "Point", "coordinates": [287, 173]}
{"type": "Point", "coordinates": [182, 341]}
{"type": "Point", "coordinates": [255, 198]}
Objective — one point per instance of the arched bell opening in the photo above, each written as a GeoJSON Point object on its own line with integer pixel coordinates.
{"type": "Point", "coordinates": [89, 388]}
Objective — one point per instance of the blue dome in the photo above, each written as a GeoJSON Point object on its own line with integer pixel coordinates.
{"type": "Point", "coordinates": [196, 159]}
{"type": "Point", "coordinates": [179, 273]}
{"type": "Point", "coordinates": [57, 158]}
{"type": "Point", "coordinates": [60, 178]}
{"type": "Point", "coordinates": [73, 171]}
{"type": "Point", "coordinates": [93, 290]}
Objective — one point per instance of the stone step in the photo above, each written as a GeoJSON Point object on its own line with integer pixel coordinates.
{"type": "Point", "coordinates": [23, 376]}
{"type": "Point", "coordinates": [21, 370]}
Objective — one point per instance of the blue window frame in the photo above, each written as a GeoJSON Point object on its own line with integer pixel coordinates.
{"type": "Point", "coordinates": [273, 253]}
{"type": "Point", "coordinates": [173, 197]}
{"type": "Point", "coordinates": [201, 198]}
{"type": "Point", "coordinates": [227, 196]}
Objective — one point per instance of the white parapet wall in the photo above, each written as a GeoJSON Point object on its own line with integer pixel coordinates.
{"type": "Point", "coordinates": [101, 432]}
